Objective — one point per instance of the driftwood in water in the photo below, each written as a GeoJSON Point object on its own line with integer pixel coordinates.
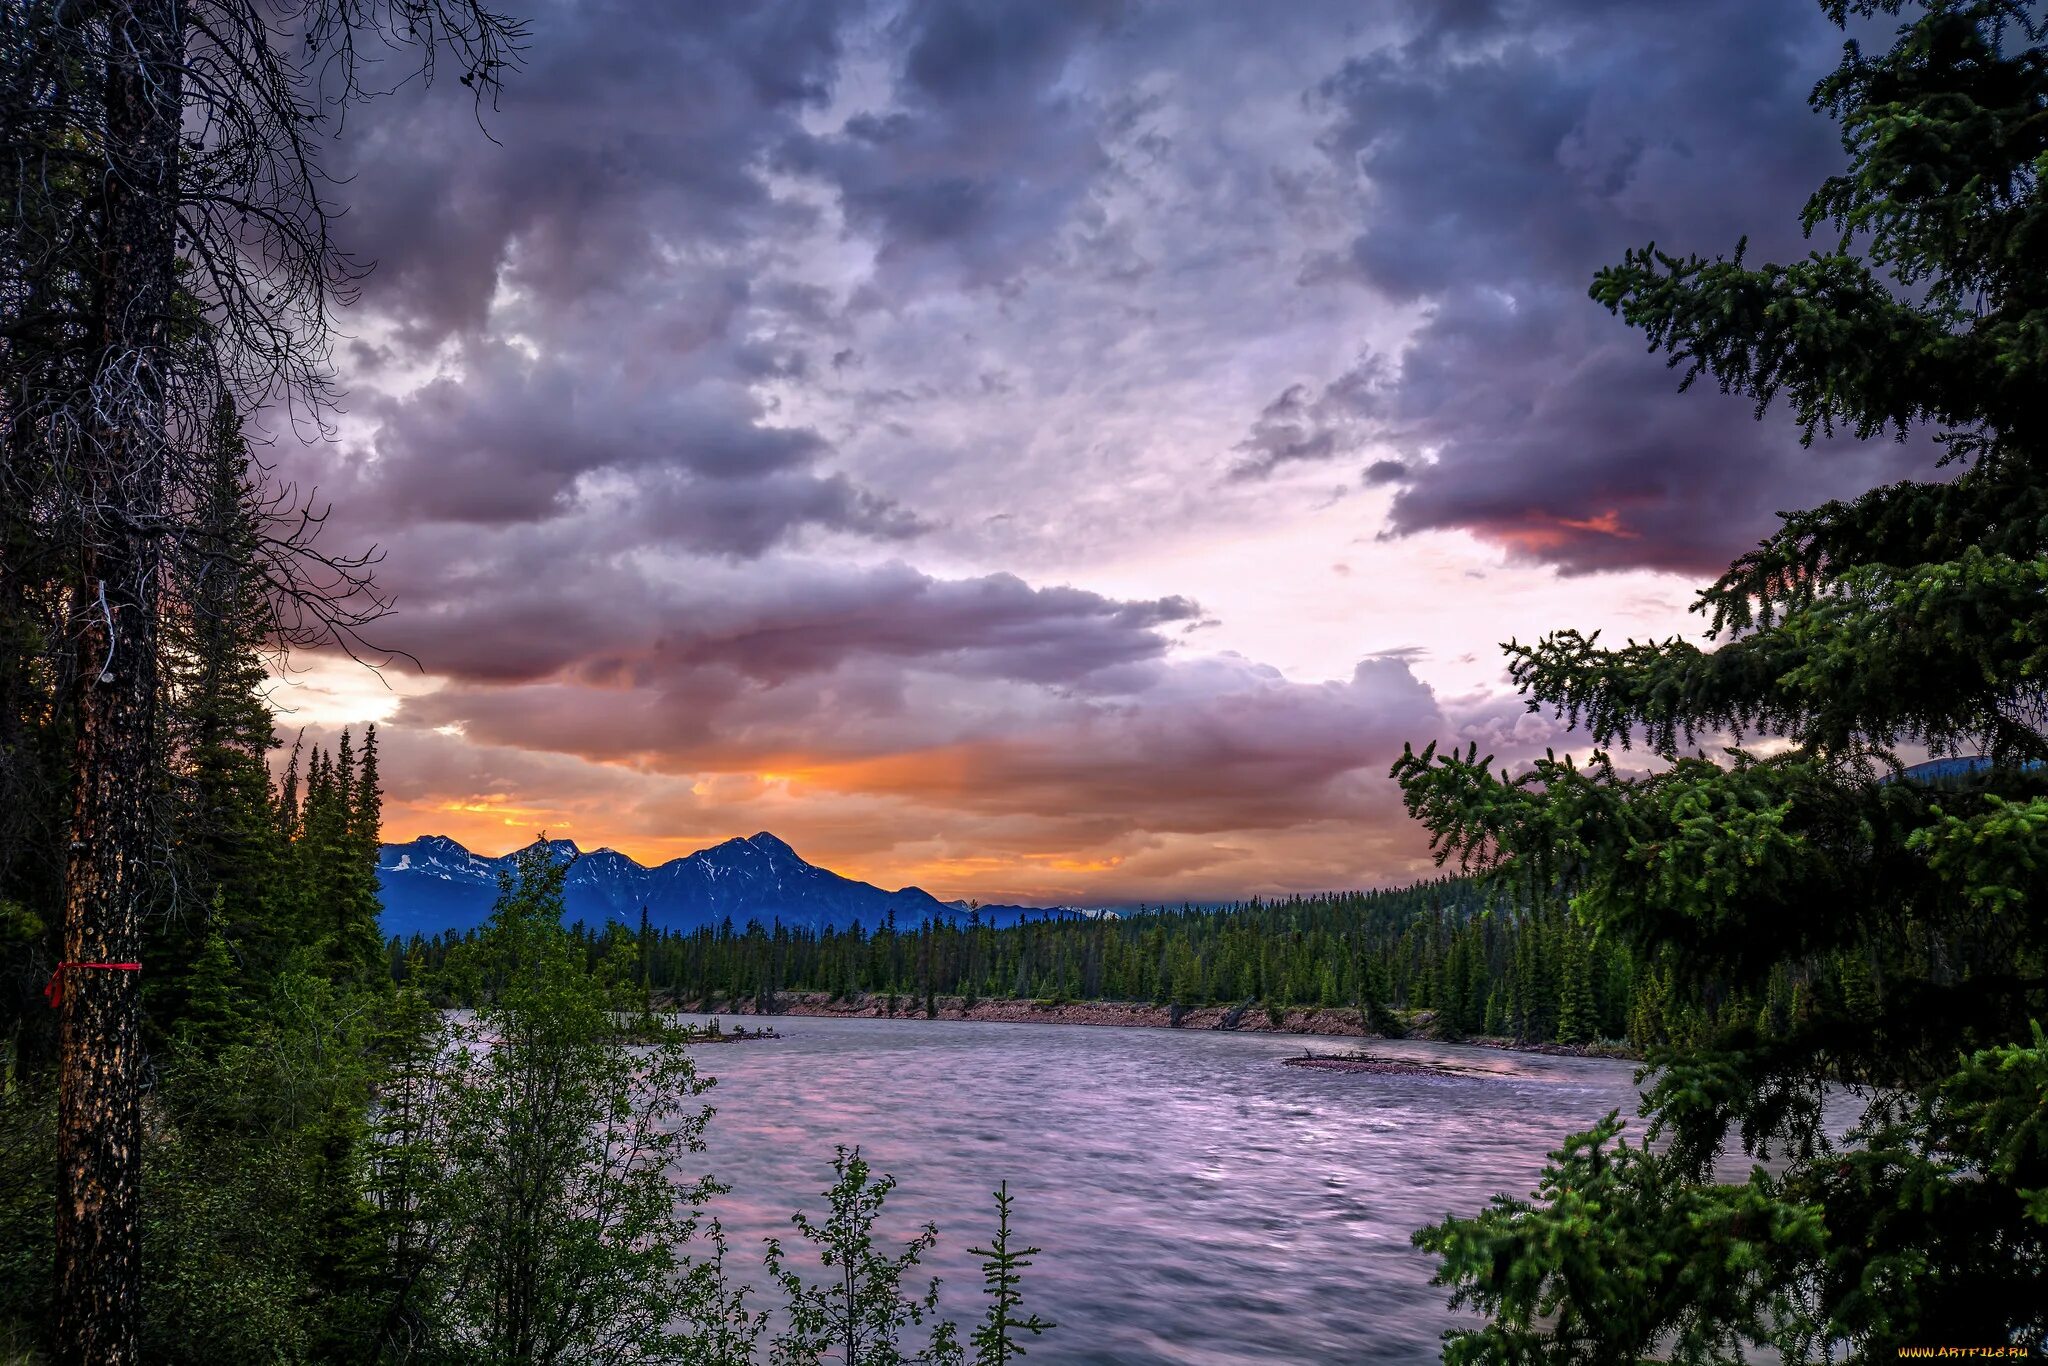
{"type": "Point", "coordinates": [1379, 1065]}
{"type": "Point", "coordinates": [1234, 1016]}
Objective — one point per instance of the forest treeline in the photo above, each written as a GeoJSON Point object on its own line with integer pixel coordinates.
{"type": "Point", "coordinates": [1478, 964]}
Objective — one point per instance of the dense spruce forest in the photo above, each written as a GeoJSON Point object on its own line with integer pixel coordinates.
{"type": "Point", "coordinates": [1476, 965]}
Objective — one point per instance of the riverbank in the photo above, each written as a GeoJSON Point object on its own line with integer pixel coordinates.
{"type": "Point", "coordinates": [1311, 1021]}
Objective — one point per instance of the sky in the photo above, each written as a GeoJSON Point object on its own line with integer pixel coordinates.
{"type": "Point", "coordinates": [1036, 450]}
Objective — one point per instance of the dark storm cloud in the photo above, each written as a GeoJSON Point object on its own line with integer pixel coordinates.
{"type": "Point", "coordinates": [1509, 151]}
{"type": "Point", "coordinates": [965, 54]}
{"type": "Point", "coordinates": [509, 438]}
{"type": "Point", "coordinates": [986, 157]}
{"type": "Point", "coordinates": [746, 517]}
{"type": "Point", "coordinates": [511, 442]}
{"type": "Point", "coordinates": [1226, 744]}
{"type": "Point", "coordinates": [615, 623]}
{"type": "Point", "coordinates": [1303, 424]}
{"type": "Point", "coordinates": [630, 127]}
{"type": "Point", "coordinates": [997, 626]}
{"type": "Point", "coordinates": [605, 290]}
{"type": "Point", "coordinates": [596, 294]}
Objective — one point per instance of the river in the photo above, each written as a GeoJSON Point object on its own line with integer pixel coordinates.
{"type": "Point", "coordinates": [1196, 1202]}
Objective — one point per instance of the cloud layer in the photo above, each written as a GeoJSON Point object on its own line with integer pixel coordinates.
{"type": "Point", "coordinates": [818, 415]}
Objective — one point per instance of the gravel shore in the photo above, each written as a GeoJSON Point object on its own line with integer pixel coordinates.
{"type": "Point", "coordinates": [1338, 1022]}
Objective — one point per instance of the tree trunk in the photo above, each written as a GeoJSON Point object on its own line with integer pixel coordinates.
{"type": "Point", "coordinates": [113, 835]}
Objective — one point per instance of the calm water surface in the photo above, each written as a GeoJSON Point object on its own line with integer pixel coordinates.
{"type": "Point", "coordinates": [1196, 1201]}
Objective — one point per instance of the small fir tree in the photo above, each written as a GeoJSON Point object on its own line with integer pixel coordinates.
{"type": "Point", "coordinates": [1002, 1274]}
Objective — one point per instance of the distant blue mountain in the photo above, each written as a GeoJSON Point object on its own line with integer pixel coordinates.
{"type": "Point", "coordinates": [433, 884]}
{"type": "Point", "coordinates": [1941, 771]}
{"type": "Point", "coordinates": [1945, 770]}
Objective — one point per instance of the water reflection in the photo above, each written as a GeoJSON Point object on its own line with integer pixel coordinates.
{"type": "Point", "coordinates": [1196, 1201]}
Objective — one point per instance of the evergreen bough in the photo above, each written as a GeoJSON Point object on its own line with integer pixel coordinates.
{"type": "Point", "coordinates": [1889, 930]}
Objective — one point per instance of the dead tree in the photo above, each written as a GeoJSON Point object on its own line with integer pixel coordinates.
{"type": "Point", "coordinates": [112, 837]}
{"type": "Point", "coordinates": [188, 265]}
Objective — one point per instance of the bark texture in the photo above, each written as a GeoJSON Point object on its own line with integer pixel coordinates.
{"type": "Point", "coordinates": [113, 835]}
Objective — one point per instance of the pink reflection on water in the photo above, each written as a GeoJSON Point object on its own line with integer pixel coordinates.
{"type": "Point", "coordinates": [1196, 1201]}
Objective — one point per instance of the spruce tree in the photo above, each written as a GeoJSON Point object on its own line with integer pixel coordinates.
{"type": "Point", "coordinates": [1574, 995]}
{"type": "Point", "coordinates": [357, 871]}
{"type": "Point", "coordinates": [334, 861]}
{"type": "Point", "coordinates": [994, 1339]}
{"type": "Point", "coordinates": [221, 728]}
{"type": "Point", "coordinates": [1909, 619]}
{"type": "Point", "coordinates": [216, 1011]}
{"type": "Point", "coordinates": [366, 816]}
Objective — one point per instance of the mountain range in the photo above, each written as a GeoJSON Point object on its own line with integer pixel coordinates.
{"type": "Point", "coordinates": [432, 884]}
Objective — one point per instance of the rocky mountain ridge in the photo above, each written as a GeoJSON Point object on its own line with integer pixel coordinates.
{"type": "Point", "coordinates": [433, 884]}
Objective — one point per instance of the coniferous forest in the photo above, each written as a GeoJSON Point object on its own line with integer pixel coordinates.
{"type": "Point", "coordinates": [237, 1124]}
{"type": "Point", "coordinates": [1445, 954]}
